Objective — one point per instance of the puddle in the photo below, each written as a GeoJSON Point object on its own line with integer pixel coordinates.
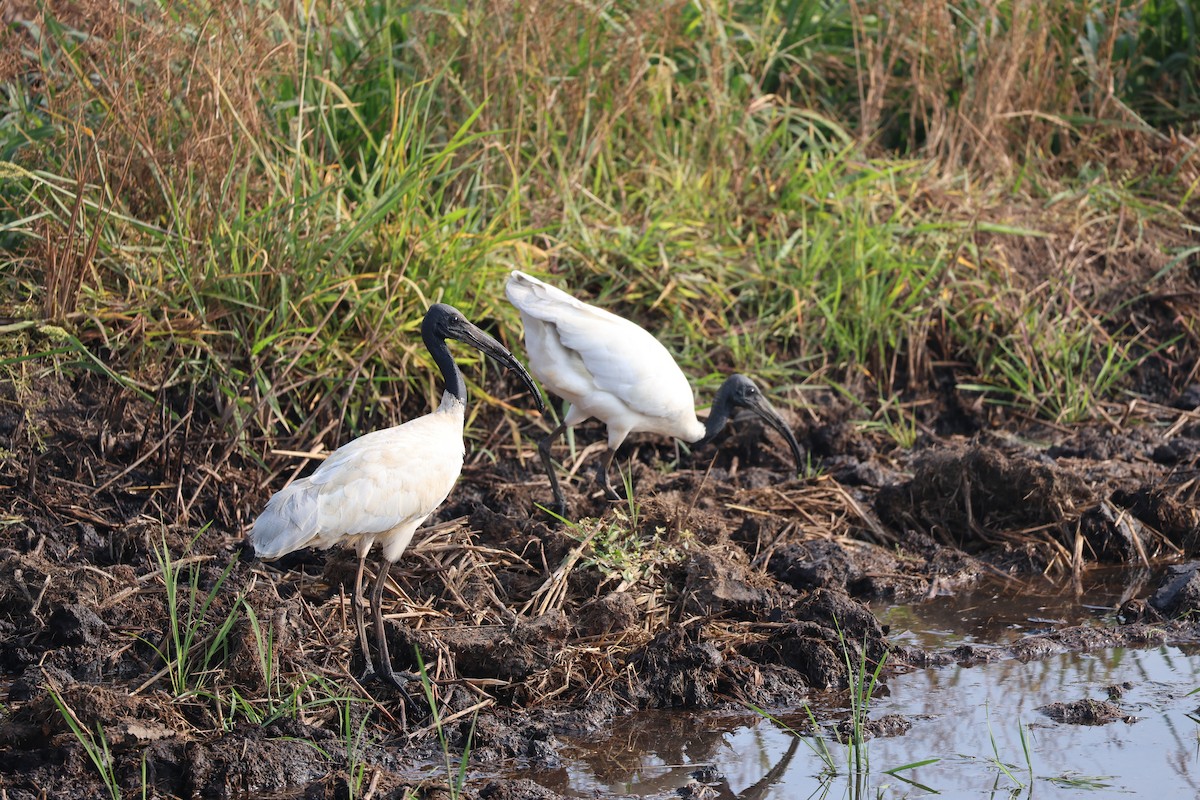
{"type": "Point", "coordinates": [1002, 611]}
{"type": "Point", "coordinates": [969, 718]}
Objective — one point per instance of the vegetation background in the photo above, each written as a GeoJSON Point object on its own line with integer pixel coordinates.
{"type": "Point", "coordinates": [243, 208]}
{"type": "Point", "coordinates": [221, 222]}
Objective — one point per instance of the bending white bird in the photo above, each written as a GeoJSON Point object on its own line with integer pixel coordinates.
{"type": "Point", "coordinates": [382, 485]}
{"type": "Point", "coordinates": [609, 368]}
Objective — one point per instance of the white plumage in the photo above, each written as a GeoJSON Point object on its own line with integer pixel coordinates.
{"type": "Point", "coordinates": [614, 370]}
{"type": "Point", "coordinates": [603, 365]}
{"type": "Point", "coordinates": [378, 487]}
{"type": "Point", "coordinates": [381, 486]}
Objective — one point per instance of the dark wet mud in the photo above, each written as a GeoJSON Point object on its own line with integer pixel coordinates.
{"type": "Point", "coordinates": [726, 582]}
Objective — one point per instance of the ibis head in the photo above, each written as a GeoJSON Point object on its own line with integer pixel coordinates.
{"type": "Point", "coordinates": [738, 391]}
{"type": "Point", "coordinates": [447, 322]}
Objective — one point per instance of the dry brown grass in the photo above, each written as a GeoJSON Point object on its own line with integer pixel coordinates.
{"type": "Point", "coordinates": [993, 86]}
{"type": "Point", "coordinates": [174, 105]}
{"type": "Point", "coordinates": [555, 78]}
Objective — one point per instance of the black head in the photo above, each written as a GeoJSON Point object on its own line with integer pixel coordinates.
{"type": "Point", "coordinates": [741, 391]}
{"type": "Point", "coordinates": [738, 391]}
{"type": "Point", "coordinates": [444, 321]}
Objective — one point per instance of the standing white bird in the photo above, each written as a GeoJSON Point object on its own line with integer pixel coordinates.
{"type": "Point", "coordinates": [382, 485]}
{"type": "Point", "coordinates": [609, 368]}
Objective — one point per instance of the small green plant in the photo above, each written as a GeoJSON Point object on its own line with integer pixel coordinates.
{"type": "Point", "coordinates": [456, 776]}
{"type": "Point", "coordinates": [264, 644]}
{"type": "Point", "coordinates": [1007, 769]}
{"type": "Point", "coordinates": [898, 423]}
{"type": "Point", "coordinates": [815, 742]}
{"type": "Point", "coordinates": [620, 552]}
{"type": "Point", "coordinates": [306, 693]}
{"type": "Point", "coordinates": [355, 740]}
{"type": "Point", "coordinates": [94, 744]}
{"type": "Point", "coordinates": [631, 502]}
{"type": "Point", "coordinates": [863, 682]}
{"type": "Point", "coordinates": [280, 698]}
{"type": "Point", "coordinates": [192, 644]}
{"type": "Point", "coordinates": [1085, 782]}
{"type": "Point", "coordinates": [1054, 358]}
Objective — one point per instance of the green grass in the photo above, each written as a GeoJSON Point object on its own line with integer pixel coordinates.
{"type": "Point", "coordinates": [194, 643]}
{"type": "Point", "coordinates": [456, 773]}
{"type": "Point", "coordinates": [95, 744]}
{"type": "Point", "coordinates": [1008, 769]}
{"type": "Point", "coordinates": [355, 739]}
{"type": "Point", "coordinates": [863, 679]}
{"type": "Point", "coordinates": [1060, 371]}
{"type": "Point", "coordinates": [254, 205]}
{"type": "Point", "coordinates": [277, 695]}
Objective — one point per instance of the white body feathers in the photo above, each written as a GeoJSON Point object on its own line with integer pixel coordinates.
{"type": "Point", "coordinates": [605, 366]}
{"type": "Point", "coordinates": [378, 487]}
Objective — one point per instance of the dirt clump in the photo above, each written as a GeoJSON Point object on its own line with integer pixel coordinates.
{"type": "Point", "coordinates": [677, 669]}
{"type": "Point", "coordinates": [519, 789]}
{"type": "Point", "coordinates": [721, 583]}
{"type": "Point", "coordinates": [507, 653]}
{"type": "Point", "coordinates": [1179, 594]}
{"type": "Point", "coordinates": [969, 495]}
{"type": "Point", "coordinates": [1163, 511]}
{"type": "Point", "coordinates": [1086, 712]}
{"type": "Point", "coordinates": [885, 726]}
{"type": "Point", "coordinates": [826, 630]}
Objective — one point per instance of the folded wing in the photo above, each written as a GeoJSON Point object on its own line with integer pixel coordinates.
{"type": "Point", "coordinates": [591, 349]}
{"type": "Point", "coordinates": [374, 484]}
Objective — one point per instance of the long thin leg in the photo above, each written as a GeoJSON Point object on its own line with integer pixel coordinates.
{"type": "Point", "coordinates": [357, 602]}
{"type": "Point", "coordinates": [560, 502]}
{"type": "Point", "coordinates": [602, 475]}
{"type": "Point", "coordinates": [384, 668]}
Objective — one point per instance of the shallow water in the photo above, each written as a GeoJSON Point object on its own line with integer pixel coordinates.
{"type": "Point", "coordinates": [969, 718]}
{"type": "Point", "coordinates": [1000, 611]}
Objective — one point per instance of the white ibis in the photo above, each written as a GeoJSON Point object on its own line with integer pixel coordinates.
{"type": "Point", "coordinates": [609, 368]}
{"type": "Point", "coordinates": [382, 485]}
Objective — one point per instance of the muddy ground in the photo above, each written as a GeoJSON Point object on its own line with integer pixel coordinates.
{"type": "Point", "coordinates": [726, 582]}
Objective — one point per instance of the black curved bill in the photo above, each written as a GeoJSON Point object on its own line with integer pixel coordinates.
{"type": "Point", "coordinates": [759, 405]}
{"type": "Point", "coordinates": [470, 334]}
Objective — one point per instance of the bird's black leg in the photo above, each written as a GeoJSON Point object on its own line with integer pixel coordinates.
{"type": "Point", "coordinates": [560, 502]}
{"type": "Point", "coordinates": [357, 602]}
{"type": "Point", "coordinates": [384, 669]}
{"type": "Point", "coordinates": [602, 475]}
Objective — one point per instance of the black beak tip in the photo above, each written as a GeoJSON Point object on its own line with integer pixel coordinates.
{"type": "Point", "coordinates": [776, 421]}
{"type": "Point", "coordinates": [799, 456]}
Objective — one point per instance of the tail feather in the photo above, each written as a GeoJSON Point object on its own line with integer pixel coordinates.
{"type": "Point", "coordinates": [537, 297]}
{"type": "Point", "coordinates": [552, 305]}
{"type": "Point", "coordinates": [288, 523]}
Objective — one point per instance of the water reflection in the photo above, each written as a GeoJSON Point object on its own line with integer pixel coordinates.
{"type": "Point", "coordinates": [960, 711]}
{"type": "Point", "coordinates": [1000, 611]}
{"type": "Point", "coordinates": [969, 718]}
{"type": "Point", "coordinates": [655, 754]}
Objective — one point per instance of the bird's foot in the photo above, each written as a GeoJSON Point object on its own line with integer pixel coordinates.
{"type": "Point", "coordinates": [397, 680]}
{"type": "Point", "coordinates": [611, 494]}
{"type": "Point", "coordinates": [605, 482]}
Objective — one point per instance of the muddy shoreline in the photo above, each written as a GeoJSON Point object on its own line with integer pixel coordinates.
{"type": "Point", "coordinates": [723, 584]}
